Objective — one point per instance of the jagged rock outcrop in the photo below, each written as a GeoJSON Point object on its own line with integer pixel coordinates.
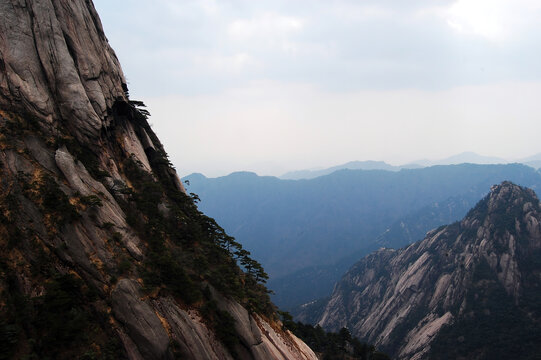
{"type": "Point", "coordinates": [468, 290]}
{"type": "Point", "coordinates": [102, 253]}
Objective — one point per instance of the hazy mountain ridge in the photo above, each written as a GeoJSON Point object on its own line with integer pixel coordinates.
{"type": "Point", "coordinates": [470, 289]}
{"type": "Point", "coordinates": [414, 226]}
{"type": "Point", "coordinates": [352, 165]}
{"type": "Point", "coordinates": [290, 225]}
{"type": "Point", "coordinates": [467, 157]}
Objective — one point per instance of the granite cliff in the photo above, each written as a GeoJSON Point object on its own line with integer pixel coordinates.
{"type": "Point", "coordinates": [102, 252]}
{"type": "Point", "coordinates": [469, 290]}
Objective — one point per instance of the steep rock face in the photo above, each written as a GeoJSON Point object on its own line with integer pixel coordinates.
{"type": "Point", "coordinates": [56, 64]}
{"type": "Point", "coordinates": [453, 293]}
{"type": "Point", "coordinates": [102, 253]}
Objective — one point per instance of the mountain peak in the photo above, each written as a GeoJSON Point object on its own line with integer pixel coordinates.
{"type": "Point", "coordinates": [509, 191]}
{"type": "Point", "coordinates": [505, 204]}
{"type": "Point", "coordinates": [509, 197]}
{"type": "Point", "coordinates": [444, 294]}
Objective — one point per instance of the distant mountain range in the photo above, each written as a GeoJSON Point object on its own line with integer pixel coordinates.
{"type": "Point", "coordinates": [352, 165]}
{"type": "Point", "coordinates": [462, 158]}
{"type": "Point", "coordinates": [469, 290]}
{"type": "Point", "coordinates": [307, 232]}
{"type": "Point", "coordinates": [467, 157]}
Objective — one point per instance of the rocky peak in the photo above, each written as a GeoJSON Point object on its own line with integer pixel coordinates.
{"type": "Point", "coordinates": [507, 214]}
{"type": "Point", "coordinates": [424, 300]}
{"type": "Point", "coordinates": [508, 192]}
{"type": "Point", "coordinates": [506, 200]}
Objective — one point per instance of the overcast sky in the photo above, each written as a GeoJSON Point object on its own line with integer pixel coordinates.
{"type": "Point", "coordinates": [272, 86]}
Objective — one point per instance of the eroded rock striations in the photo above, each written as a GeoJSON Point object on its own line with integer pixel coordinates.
{"type": "Point", "coordinates": [102, 253]}
{"type": "Point", "coordinates": [468, 290]}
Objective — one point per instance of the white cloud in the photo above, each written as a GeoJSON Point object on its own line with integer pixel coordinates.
{"type": "Point", "coordinates": [267, 31]}
{"type": "Point", "coordinates": [228, 64]}
{"type": "Point", "coordinates": [265, 25]}
{"type": "Point", "coordinates": [190, 7]}
{"type": "Point", "coordinates": [495, 20]}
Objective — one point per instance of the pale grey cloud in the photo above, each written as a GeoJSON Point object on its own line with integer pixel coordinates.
{"type": "Point", "coordinates": [305, 83]}
{"type": "Point", "coordinates": [206, 46]}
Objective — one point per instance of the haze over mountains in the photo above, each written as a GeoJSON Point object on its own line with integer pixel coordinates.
{"type": "Point", "coordinates": [462, 158]}
{"type": "Point", "coordinates": [306, 233]}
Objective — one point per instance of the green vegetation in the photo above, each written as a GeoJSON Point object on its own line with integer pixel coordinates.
{"type": "Point", "coordinates": [8, 209]}
{"type": "Point", "coordinates": [91, 200]}
{"type": "Point", "coordinates": [222, 322]}
{"type": "Point", "coordinates": [14, 127]}
{"type": "Point", "coordinates": [52, 201]}
{"type": "Point", "coordinates": [60, 324]}
{"type": "Point", "coordinates": [83, 154]}
{"type": "Point", "coordinates": [185, 248]}
{"type": "Point", "coordinates": [495, 327]}
{"type": "Point", "coordinates": [331, 346]}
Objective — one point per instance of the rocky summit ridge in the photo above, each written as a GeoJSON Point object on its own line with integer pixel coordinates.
{"type": "Point", "coordinates": [102, 252]}
{"type": "Point", "coordinates": [469, 290]}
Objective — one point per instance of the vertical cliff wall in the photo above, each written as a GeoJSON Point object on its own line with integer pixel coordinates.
{"type": "Point", "coordinates": [102, 253]}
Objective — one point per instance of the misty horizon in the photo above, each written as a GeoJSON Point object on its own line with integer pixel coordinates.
{"type": "Point", "coordinates": [278, 86]}
{"type": "Point", "coordinates": [274, 169]}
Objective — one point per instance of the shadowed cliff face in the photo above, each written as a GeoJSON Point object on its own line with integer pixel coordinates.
{"type": "Point", "coordinates": [470, 289]}
{"type": "Point", "coordinates": [102, 253]}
